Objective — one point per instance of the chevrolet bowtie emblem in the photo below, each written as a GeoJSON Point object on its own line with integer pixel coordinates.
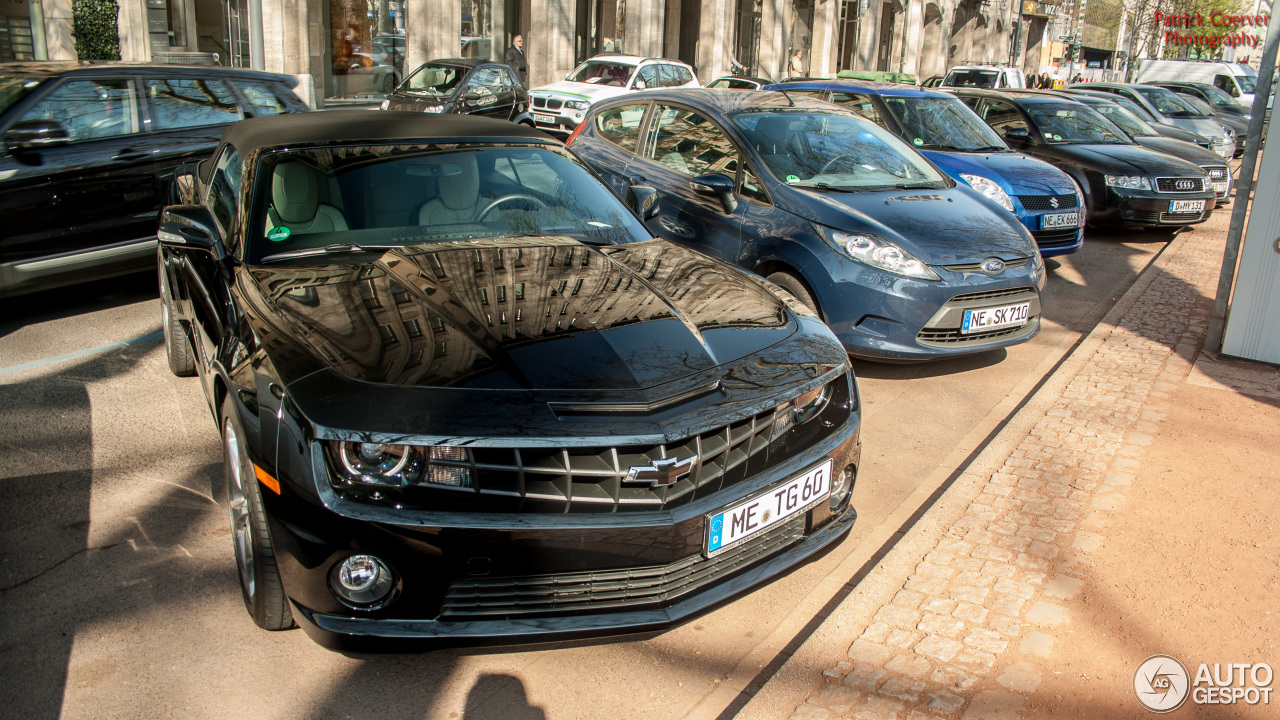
{"type": "Point", "coordinates": [663, 471]}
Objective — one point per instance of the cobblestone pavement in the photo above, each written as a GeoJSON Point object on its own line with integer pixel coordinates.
{"type": "Point", "coordinates": [962, 635]}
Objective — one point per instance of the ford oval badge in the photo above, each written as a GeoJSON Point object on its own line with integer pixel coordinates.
{"type": "Point", "coordinates": [993, 266]}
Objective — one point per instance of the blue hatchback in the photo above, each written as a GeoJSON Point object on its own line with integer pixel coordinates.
{"type": "Point", "coordinates": [901, 261]}
{"type": "Point", "coordinates": [947, 132]}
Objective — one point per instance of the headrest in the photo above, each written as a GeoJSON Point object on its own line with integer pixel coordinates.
{"type": "Point", "coordinates": [294, 193]}
{"type": "Point", "coordinates": [460, 190]}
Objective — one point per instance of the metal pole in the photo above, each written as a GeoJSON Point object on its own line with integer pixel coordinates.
{"type": "Point", "coordinates": [1244, 190]}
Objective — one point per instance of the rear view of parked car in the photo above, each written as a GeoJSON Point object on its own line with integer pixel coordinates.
{"type": "Point", "coordinates": [89, 152]}
{"type": "Point", "coordinates": [903, 263]}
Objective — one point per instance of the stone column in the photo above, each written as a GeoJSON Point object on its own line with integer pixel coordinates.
{"type": "Point", "coordinates": [826, 39]}
{"type": "Point", "coordinates": [643, 28]}
{"type": "Point", "coordinates": [775, 31]}
{"type": "Point", "coordinates": [135, 44]}
{"type": "Point", "coordinates": [671, 31]}
{"type": "Point", "coordinates": [57, 30]}
{"type": "Point", "coordinates": [433, 29]}
{"type": "Point", "coordinates": [550, 42]}
{"type": "Point", "coordinates": [715, 39]}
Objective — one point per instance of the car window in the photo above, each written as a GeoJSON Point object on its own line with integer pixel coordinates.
{"type": "Point", "coordinates": [971, 101]}
{"type": "Point", "coordinates": [1071, 122]}
{"type": "Point", "coordinates": [483, 88]}
{"type": "Point", "coordinates": [682, 74]}
{"type": "Point", "coordinates": [1003, 116]}
{"type": "Point", "coordinates": [15, 87]}
{"type": "Point", "coordinates": [649, 75]}
{"type": "Point", "coordinates": [1167, 102]}
{"type": "Point", "coordinates": [264, 98]}
{"type": "Point", "coordinates": [1125, 120]}
{"type": "Point", "coordinates": [224, 190]}
{"type": "Point", "coordinates": [860, 104]}
{"type": "Point", "coordinates": [942, 124]}
{"type": "Point", "coordinates": [90, 109]}
{"type": "Point", "coordinates": [733, 84]}
{"type": "Point", "coordinates": [690, 144]}
{"type": "Point", "coordinates": [602, 73]}
{"type": "Point", "coordinates": [972, 78]}
{"type": "Point", "coordinates": [751, 186]}
{"type": "Point", "coordinates": [620, 125]}
{"type": "Point", "coordinates": [438, 80]}
{"type": "Point", "coordinates": [190, 102]}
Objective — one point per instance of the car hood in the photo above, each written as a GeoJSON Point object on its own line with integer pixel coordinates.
{"type": "Point", "coordinates": [1205, 127]}
{"type": "Point", "coordinates": [1184, 150]}
{"type": "Point", "coordinates": [578, 91]}
{"type": "Point", "coordinates": [1176, 133]}
{"type": "Point", "coordinates": [530, 314]}
{"type": "Point", "coordinates": [1126, 159]}
{"type": "Point", "coordinates": [1015, 172]}
{"type": "Point", "coordinates": [944, 226]}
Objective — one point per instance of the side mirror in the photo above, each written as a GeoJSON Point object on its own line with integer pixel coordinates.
{"type": "Point", "coordinates": [644, 200]}
{"type": "Point", "coordinates": [182, 188]}
{"type": "Point", "coordinates": [34, 135]}
{"type": "Point", "coordinates": [189, 226]}
{"type": "Point", "coordinates": [640, 84]}
{"type": "Point", "coordinates": [716, 185]}
{"type": "Point", "coordinates": [1017, 134]}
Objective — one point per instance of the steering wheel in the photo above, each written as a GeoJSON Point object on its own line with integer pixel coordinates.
{"type": "Point", "coordinates": [508, 198]}
{"type": "Point", "coordinates": [833, 160]}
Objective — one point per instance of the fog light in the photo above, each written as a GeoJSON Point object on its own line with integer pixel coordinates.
{"type": "Point", "coordinates": [842, 488]}
{"type": "Point", "coordinates": [362, 581]}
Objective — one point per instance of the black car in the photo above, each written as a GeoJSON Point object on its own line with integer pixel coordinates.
{"type": "Point", "coordinates": [1145, 135]}
{"type": "Point", "coordinates": [1123, 182]}
{"type": "Point", "coordinates": [464, 395]}
{"type": "Point", "coordinates": [461, 87]}
{"type": "Point", "coordinates": [89, 151]}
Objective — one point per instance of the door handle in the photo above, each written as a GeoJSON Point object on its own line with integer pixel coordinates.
{"type": "Point", "coordinates": [130, 154]}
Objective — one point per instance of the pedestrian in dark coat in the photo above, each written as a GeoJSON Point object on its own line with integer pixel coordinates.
{"type": "Point", "coordinates": [516, 59]}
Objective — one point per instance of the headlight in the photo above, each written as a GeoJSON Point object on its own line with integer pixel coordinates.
{"type": "Point", "coordinates": [433, 108]}
{"type": "Point", "coordinates": [577, 105]}
{"type": "Point", "coordinates": [801, 410]}
{"type": "Point", "coordinates": [386, 104]}
{"type": "Point", "coordinates": [880, 253]}
{"type": "Point", "coordinates": [1128, 182]}
{"type": "Point", "coordinates": [389, 465]}
{"type": "Point", "coordinates": [988, 187]}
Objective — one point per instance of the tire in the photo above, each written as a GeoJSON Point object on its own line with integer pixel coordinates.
{"type": "Point", "coordinates": [260, 583]}
{"type": "Point", "coordinates": [796, 287]}
{"type": "Point", "coordinates": [389, 84]}
{"type": "Point", "coordinates": [177, 349]}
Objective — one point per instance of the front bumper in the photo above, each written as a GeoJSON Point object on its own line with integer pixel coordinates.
{"type": "Point", "coordinates": [1057, 240]}
{"type": "Point", "coordinates": [894, 319]}
{"type": "Point", "coordinates": [563, 120]}
{"type": "Point", "coordinates": [1151, 209]}
{"type": "Point", "coordinates": [436, 562]}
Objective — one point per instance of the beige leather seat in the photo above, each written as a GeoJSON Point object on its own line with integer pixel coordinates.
{"type": "Point", "coordinates": [295, 202]}
{"type": "Point", "coordinates": [458, 201]}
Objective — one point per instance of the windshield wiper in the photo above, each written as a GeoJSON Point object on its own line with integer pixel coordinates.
{"type": "Point", "coordinates": [325, 250]}
{"type": "Point", "coordinates": [814, 186]}
{"type": "Point", "coordinates": [990, 148]}
{"type": "Point", "coordinates": [916, 186]}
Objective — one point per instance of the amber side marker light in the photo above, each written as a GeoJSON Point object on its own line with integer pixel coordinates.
{"type": "Point", "coordinates": [265, 478]}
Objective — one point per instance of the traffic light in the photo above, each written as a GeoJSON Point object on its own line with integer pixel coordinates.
{"type": "Point", "coordinates": [1069, 53]}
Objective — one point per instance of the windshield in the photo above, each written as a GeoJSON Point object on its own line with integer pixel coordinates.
{"type": "Point", "coordinates": [1128, 122]}
{"type": "Point", "coordinates": [15, 87]}
{"type": "Point", "coordinates": [1167, 102]}
{"type": "Point", "coordinates": [829, 151]}
{"type": "Point", "coordinates": [602, 73]}
{"type": "Point", "coordinates": [1219, 97]}
{"type": "Point", "coordinates": [1071, 122]}
{"type": "Point", "coordinates": [1247, 83]}
{"type": "Point", "coordinates": [943, 124]}
{"type": "Point", "coordinates": [972, 78]}
{"type": "Point", "coordinates": [381, 195]}
{"type": "Point", "coordinates": [435, 79]}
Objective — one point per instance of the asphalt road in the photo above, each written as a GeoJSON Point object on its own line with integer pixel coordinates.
{"type": "Point", "coordinates": [118, 592]}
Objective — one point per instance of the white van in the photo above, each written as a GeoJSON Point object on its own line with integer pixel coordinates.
{"type": "Point", "coordinates": [984, 76]}
{"type": "Point", "coordinates": [1236, 80]}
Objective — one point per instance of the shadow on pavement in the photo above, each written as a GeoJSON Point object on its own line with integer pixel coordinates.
{"type": "Point", "coordinates": [16, 312]}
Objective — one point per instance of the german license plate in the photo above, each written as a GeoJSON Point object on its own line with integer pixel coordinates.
{"type": "Point", "coordinates": [739, 523]}
{"type": "Point", "coordinates": [993, 318]}
{"type": "Point", "coordinates": [1186, 206]}
{"type": "Point", "coordinates": [546, 119]}
{"type": "Point", "coordinates": [1220, 187]}
{"type": "Point", "coordinates": [1059, 220]}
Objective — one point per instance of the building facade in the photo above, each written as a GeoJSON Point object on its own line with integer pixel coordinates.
{"type": "Point", "coordinates": [347, 50]}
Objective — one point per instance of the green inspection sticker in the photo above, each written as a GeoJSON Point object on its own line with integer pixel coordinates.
{"type": "Point", "coordinates": [1057, 138]}
{"type": "Point", "coordinates": [918, 141]}
{"type": "Point", "coordinates": [278, 234]}
{"type": "Point", "coordinates": [793, 178]}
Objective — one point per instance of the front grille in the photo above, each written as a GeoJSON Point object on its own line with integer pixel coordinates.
{"type": "Point", "coordinates": [1151, 218]}
{"type": "Point", "coordinates": [548, 104]}
{"type": "Point", "coordinates": [1045, 202]}
{"type": "Point", "coordinates": [955, 337]}
{"type": "Point", "coordinates": [610, 589]}
{"type": "Point", "coordinates": [1217, 173]}
{"type": "Point", "coordinates": [977, 267]}
{"type": "Point", "coordinates": [1054, 238]}
{"type": "Point", "coordinates": [1169, 184]}
{"type": "Point", "coordinates": [1180, 217]}
{"type": "Point", "coordinates": [594, 479]}
{"type": "Point", "coordinates": [539, 102]}
{"type": "Point", "coordinates": [993, 294]}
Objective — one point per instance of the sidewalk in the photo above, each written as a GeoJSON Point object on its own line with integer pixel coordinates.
{"type": "Point", "coordinates": [1128, 510]}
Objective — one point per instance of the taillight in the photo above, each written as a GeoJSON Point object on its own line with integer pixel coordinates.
{"type": "Point", "coordinates": [574, 135]}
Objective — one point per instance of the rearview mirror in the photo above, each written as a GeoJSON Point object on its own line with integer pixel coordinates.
{"type": "Point", "coordinates": [644, 200]}
{"type": "Point", "coordinates": [189, 226]}
{"type": "Point", "coordinates": [716, 185]}
{"type": "Point", "coordinates": [1017, 134]}
{"type": "Point", "coordinates": [31, 135]}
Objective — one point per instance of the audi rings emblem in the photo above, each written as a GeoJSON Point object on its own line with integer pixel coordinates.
{"type": "Point", "coordinates": [1186, 185]}
{"type": "Point", "coordinates": [993, 265]}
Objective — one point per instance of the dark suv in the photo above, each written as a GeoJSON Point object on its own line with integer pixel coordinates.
{"type": "Point", "coordinates": [88, 154]}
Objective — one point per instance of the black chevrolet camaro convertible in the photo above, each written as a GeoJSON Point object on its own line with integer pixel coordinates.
{"type": "Point", "coordinates": [463, 394]}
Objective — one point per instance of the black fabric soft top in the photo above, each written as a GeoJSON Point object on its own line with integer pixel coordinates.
{"type": "Point", "coordinates": [376, 126]}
